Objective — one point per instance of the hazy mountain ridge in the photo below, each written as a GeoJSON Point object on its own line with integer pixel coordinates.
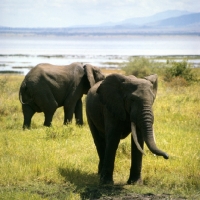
{"type": "Point", "coordinates": [157, 17]}
{"type": "Point", "coordinates": [183, 20]}
{"type": "Point", "coordinates": [168, 22]}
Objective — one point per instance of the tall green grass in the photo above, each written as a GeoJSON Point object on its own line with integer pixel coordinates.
{"type": "Point", "coordinates": [61, 162]}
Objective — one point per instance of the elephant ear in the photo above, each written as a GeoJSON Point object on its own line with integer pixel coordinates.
{"type": "Point", "coordinates": [89, 72]}
{"type": "Point", "coordinates": [93, 74]}
{"type": "Point", "coordinates": [154, 80]}
{"type": "Point", "coordinates": [111, 95]}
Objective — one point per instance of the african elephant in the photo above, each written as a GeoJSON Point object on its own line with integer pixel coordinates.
{"type": "Point", "coordinates": [47, 87]}
{"type": "Point", "coordinates": [115, 107]}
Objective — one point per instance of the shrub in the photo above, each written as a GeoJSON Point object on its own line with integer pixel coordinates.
{"type": "Point", "coordinates": [181, 70]}
{"type": "Point", "coordinates": [177, 82]}
{"type": "Point", "coordinates": [142, 66]}
{"type": "Point", "coordinates": [138, 67]}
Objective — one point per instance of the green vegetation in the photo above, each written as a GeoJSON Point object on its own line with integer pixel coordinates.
{"type": "Point", "coordinates": [139, 67]}
{"type": "Point", "coordinates": [143, 66]}
{"type": "Point", "coordinates": [175, 73]}
{"type": "Point", "coordinates": [180, 70]}
{"type": "Point", "coordinates": [61, 162]}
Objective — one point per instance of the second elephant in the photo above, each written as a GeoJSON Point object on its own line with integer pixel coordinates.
{"type": "Point", "coordinates": [115, 107]}
{"type": "Point", "coordinates": [47, 87]}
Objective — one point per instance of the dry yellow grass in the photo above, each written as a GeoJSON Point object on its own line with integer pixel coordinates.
{"type": "Point", "coordinates": [61, 162]}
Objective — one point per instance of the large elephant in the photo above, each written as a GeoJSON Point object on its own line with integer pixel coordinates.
{"type": "Point", "coordinates": [115, 107]}
{"type": "Point", "coordinates": [47, 87]}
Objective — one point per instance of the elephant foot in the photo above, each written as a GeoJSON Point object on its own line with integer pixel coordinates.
{"type": "Point", "coordinates": [26, 128]}
{"type": "Point", "coordinates": [47, 124]}
{"type": "Point", "coordinates": [79, 122]}
{"type": "Point", "coordinates": [135, 181]}
{"type": "Point", "coordinates": [106, 181]}
{"type": "Point", "coordinates": [99, 169]}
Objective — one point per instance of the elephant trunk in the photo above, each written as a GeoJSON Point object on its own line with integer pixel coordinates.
{"type": "Point", "coordinates": [151, 144]}
{"type": "Point", "coordinates": [148, 134]}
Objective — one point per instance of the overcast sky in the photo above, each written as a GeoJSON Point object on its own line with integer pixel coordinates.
{"type": "Point", "coordinates": [65, 13]}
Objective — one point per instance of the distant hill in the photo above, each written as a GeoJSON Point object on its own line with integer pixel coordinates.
{"type": "Point", "coordinates": [157, 17]}
{"type": "Point", "coordinates": [168, 22]}
{"type": "Point", "coordinates": [184, 20]}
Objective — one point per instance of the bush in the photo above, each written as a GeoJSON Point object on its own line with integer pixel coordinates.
{"type": "Point", "coordinates": [177, 82]}
{"type": "Point", "coordinates": [139, 67]}
{"type": "Point", "coordinates": [180, 70]}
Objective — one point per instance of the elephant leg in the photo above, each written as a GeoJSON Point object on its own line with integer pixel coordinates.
{"type": "Point", "coordinates": [48, 106]}
{"type": "Point", "coordinates": [79, 112]}
{"type": "Point", "coordinates": [136, 162]}
{"type": "Point", "coordinates": [100, 144]}
{"type": "Point", "coordinates": [112, 142]}
{"type": "Point", "coordinates": [48, 118]}
{"type": "Point", "coordinates": [28, 113]}
{"type": "Point", "coordinates": [69, 109]}
{"type": "Point", "coordinates": [68, 115]}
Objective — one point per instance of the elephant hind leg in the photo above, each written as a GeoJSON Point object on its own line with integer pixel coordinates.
{"type": "Point", "coordinates": [79, 112]}
{"type": "Point", "coordinates": [28, 113]}
{"type": "Point", "coordinates": [68, 113]}
{"type": "Point", "coordinates": [48, 105]}
{"type": "Point", "coordinates": [48, 118]}
{"type": "Point", "coordinates": [48, 113]}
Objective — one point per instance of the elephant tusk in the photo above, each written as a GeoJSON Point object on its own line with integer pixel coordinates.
{"type": "Point", "coordinates": [134, 135]}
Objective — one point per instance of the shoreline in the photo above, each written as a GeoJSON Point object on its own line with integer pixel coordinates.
{"type": "Point", "coordinates": [22, 63]}
{"type": "Point", "coordinates": [94, 35]}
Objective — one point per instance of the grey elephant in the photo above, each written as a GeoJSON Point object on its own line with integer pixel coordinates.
{"type": "Point", "coordinates": [115, 107]}
{"type": "Point", "coordinates": [47, 87]}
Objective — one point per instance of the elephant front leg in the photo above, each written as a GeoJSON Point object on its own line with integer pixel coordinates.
{"type": "Point", "coordinates": [100, 143]}
{"type": "Point", "coordinates": [109, 159]}
{"type": "Point", "coordinates": [100, 146]}
{"type": "Point", "coordinates": [136, 162]}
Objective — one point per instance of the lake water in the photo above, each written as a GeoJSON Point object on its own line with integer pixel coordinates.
{"type": "Point", "coordinates": [19, 54]}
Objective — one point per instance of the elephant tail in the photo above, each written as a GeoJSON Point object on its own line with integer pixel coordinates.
{"type": "Point", "coordinates": [23, 94]}
{"type": "Point", "coordinates": [21, 91]}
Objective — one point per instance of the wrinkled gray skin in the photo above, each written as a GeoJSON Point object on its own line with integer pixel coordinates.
{"type": "Point", "coordinates": [47, 87]}
{"type": "Point", "coordinates": [115, 107]}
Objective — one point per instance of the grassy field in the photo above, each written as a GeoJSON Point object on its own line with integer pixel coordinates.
{"type": "Point", "coordinates": [61, 162]}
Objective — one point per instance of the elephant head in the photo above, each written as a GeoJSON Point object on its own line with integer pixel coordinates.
{"type": "Point", "coordinates": [131, 97]}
